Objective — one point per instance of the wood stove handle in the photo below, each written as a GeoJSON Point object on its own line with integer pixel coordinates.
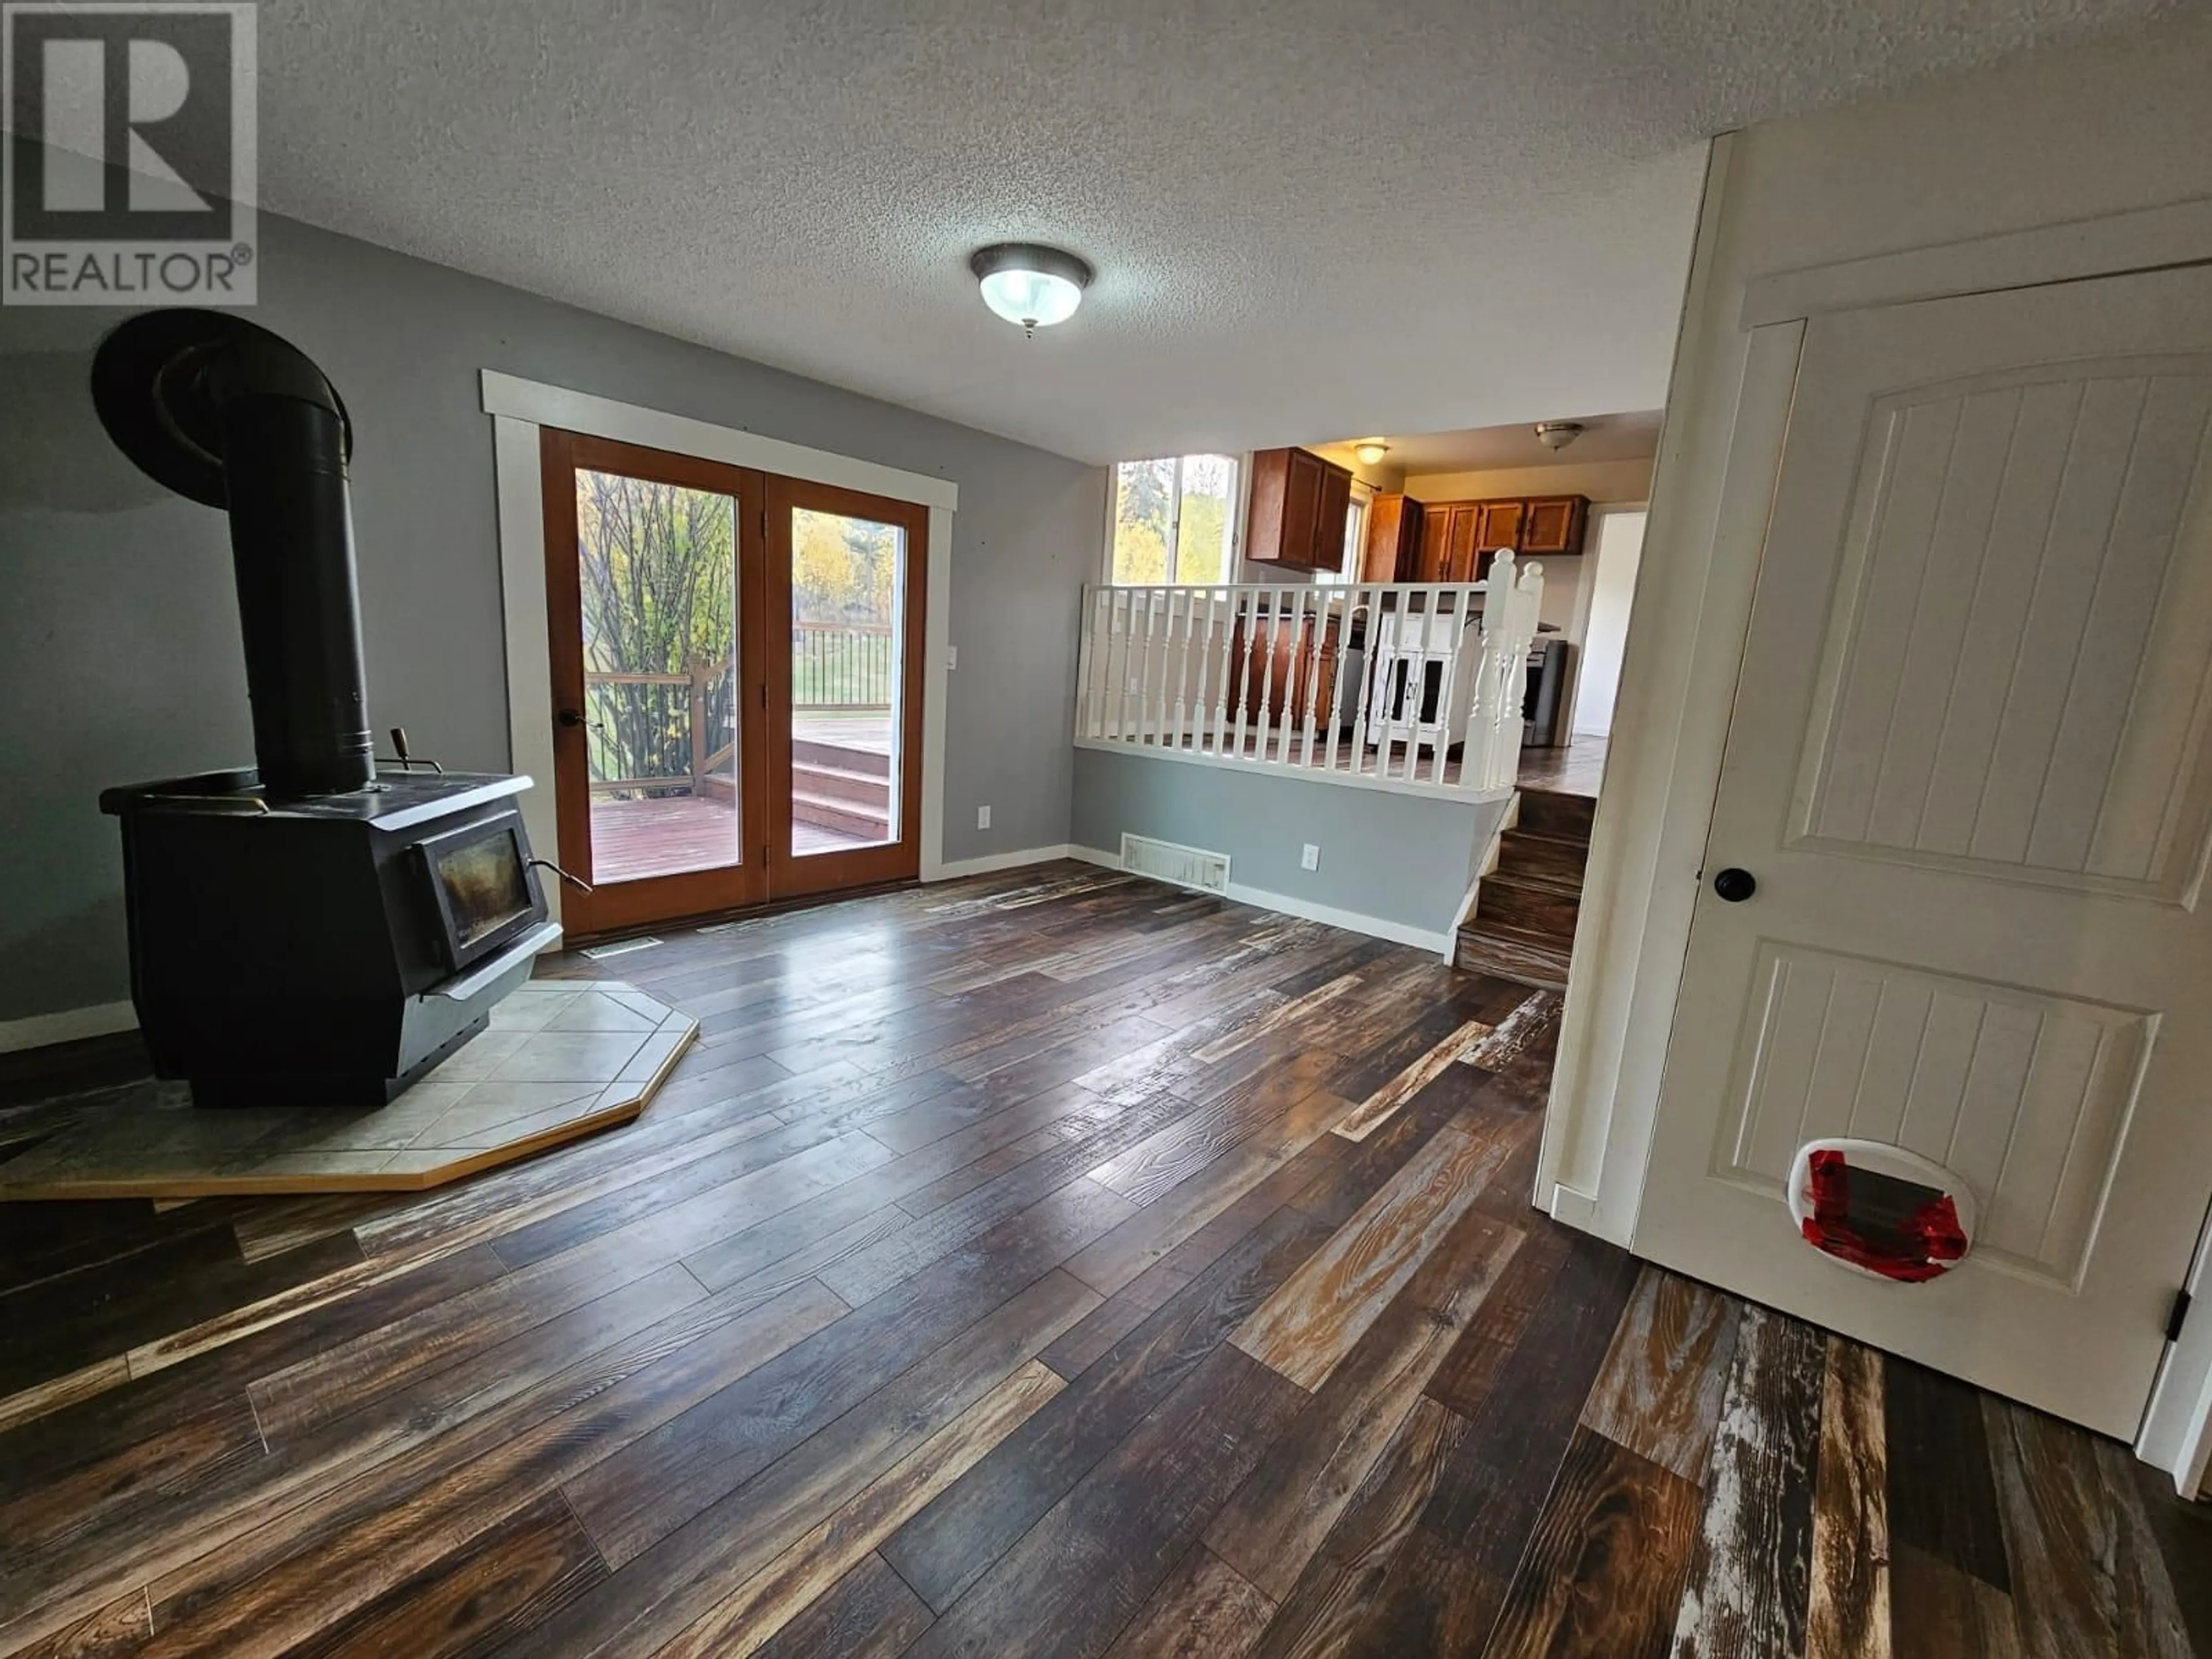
{"type": "Point", "coordinates": [576, 882]}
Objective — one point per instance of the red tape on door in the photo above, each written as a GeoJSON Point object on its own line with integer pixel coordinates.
{"type": "Point", "coordinates": [1880, 1209]}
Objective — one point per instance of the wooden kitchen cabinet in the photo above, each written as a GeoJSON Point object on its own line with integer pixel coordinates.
{"type": "Point", "coordinates": [1498, 524]}
{"type": "Point", "coordinates": [1459, 539]}
{"type": "Point", "coordinates": [1451, 542]}
{"type": "Point", "coordinates": [1554, 524]}
{"type": "Point", "coordinates": [1392, 553]}
{"type": "Point", "coordinates": [1297, 513]}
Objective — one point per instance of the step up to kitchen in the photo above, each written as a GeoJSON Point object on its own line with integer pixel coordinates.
{"type": "Point", "coordinates": [1533, 860]}
{"type": "Point", "coordinates": [1561, 817]}
{"type": "Point", "coordinates": [1506, 954]}
{"type": "Point", "coordinates": [1503, 901]}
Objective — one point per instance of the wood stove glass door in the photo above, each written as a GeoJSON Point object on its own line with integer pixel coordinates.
{"type": "Point", "coordinates": [656, 569]}
{"type": "Point", "coordinates": [845, 581]}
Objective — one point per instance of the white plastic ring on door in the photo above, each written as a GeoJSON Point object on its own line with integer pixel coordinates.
{"type": "Point", "coordinates": [1879, 1210]}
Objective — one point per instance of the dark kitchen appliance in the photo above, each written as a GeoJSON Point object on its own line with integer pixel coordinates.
{"type": "Point", "coordinates": [1546, 699]}
{"type": "Point", "coordinates": [315, 930]}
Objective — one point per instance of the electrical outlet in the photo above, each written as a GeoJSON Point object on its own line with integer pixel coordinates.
{"type": "Point", "coordinates": [1310, 858]}
{"type": "Point", "coordinates": [982, 817]}
{"type": "Point", "coordinates": [951, 658]}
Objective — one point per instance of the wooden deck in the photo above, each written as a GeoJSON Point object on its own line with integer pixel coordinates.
{"type": "Point", "coordinates": [668, 835]}
{"type": "Point", "coordinates": [632, 839]}
{"type": "Point", "coordinates": [1050, 1265]}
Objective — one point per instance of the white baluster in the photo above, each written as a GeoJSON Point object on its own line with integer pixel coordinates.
{"type": "Point", "coordinates": [1417, 677]}
{"type": "Point", "coordinates": [1244, 645]}
{"type": "Point", "coordinates": [1182, 672]}
{"type": "Point", "coordinates": [1210, 682]}
{"type": "Point", "coordinates": [1497, 653]}
{"type": "Point", "coordinates": [1264, 671]}
{"type": "Point", "coordinates": [1085, 701]}
{"type": "Point", "coordinates": [1108, 725]}
{"type": "Point", "coordinates": [1141, 689]}
{"type": "Point", "coordinates": [1102, 620]}
{"type": "Point", "coordinates": [1170, 672]}
{"type": "Point", "coordinates": [1323, 602]}
{"type": "Point", "coordinates": [1124, 708]}
{"type": "Point", "coordinates": [1369, 600]}
{"type": "Point", "coordinates": [1448, 689]}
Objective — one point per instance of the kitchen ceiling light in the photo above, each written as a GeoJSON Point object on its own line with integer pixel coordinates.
{"type": "Point", "coordinates": [1558, 434]}
{"type": "Point", "coordinates": [1030, 284]}
{"type": "Point", "coordinates": [1371, 454]}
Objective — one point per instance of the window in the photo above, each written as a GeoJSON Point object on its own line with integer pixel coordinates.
{"type": "Point", "coordinates": [1355, 537]}
{"type": "Point", "coordinates": [1174, 521]}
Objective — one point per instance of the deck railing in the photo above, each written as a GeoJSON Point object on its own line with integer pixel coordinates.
{"type": "Point", "coordinates": [842, 665]}
{"type": "Point", "coordinates": [654, 733]}
{"type": "Point", "coordinates": [659, 733]}
{"type": "Point", "coordinates": [1398, 685]}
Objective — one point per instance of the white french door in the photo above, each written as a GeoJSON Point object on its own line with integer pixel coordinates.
{"type": "Point", "coordinates": [1967, 768]}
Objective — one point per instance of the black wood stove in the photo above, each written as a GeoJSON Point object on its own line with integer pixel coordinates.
{"type": "Point", "coordinates": [316, 930]}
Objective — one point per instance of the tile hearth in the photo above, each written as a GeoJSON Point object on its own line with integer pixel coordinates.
{"type": "Point", "coordinates": [560, 1059]}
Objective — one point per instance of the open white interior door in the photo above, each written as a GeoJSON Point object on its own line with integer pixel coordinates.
{"type": "Point", "coordinates": [1968, 768]}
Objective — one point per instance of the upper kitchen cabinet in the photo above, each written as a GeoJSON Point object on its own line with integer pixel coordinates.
{"type": "Point", "coordinates": [1451, 542]}
{"type": "Point", "coordinates": [1298, 506]}
{"type": "Point", "coordinates": [1498, 524]}
{"type": "Point", "coordinates": [1393, 540]}
{"type": "Point", "coordinates": [1458, 539]}
{"type": "Point", "coordinates": [1552, 524]}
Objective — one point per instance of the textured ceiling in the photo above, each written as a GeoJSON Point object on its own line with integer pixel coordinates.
{"type": "Point", "coordinates": [1489, 448]}
{"type": "Point", "coordinates": [1307, 216]}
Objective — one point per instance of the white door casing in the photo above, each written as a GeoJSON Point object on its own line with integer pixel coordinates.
{"type": "Point", "coordinates": [1608, 590]}
{"type": "Point", "coordinates": [1968, 766]}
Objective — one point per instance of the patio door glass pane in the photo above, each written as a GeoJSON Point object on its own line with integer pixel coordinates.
{"type": "Point", "coordinates": [848, 629]}
{"type": "Point", "coordinates": [658, 569]}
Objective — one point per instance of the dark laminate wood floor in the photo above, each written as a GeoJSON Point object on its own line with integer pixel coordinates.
{"type": "Point", "coordinates": [1045, 1264]}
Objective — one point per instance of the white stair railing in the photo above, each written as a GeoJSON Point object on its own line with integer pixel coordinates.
{"type": "Point", "coordinates": [1401, 685]}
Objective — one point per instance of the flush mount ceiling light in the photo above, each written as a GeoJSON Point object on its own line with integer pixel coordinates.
{"type": "Point", "coordinates": [1558, 434]}
{"type": "Point", "coordinates": [1030, 284]}
{"type": "Point", "coordinates": [1371, 452]}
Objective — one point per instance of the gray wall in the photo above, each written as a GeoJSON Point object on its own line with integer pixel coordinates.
{"type": "Point", "coordinates": [118, 638]}
{"type": "Point", "coordinates": [1404, 859]}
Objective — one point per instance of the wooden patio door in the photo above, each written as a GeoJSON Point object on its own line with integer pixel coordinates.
{"type": "Point", "coordinates": [847, 573]}
{"type": "Point", "coordinates": [655, 587]}
{"type": "Point", "coordinates": [737, 683]}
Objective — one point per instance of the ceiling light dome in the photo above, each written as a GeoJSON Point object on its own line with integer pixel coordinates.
{"type": "Point", "coordinates": [1371, 452]}
{"type": "Point", "coordinates": [1030, 284]}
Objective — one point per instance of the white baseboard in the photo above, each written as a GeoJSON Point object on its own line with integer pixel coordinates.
{"type": "Point", "coordinates": [990, 862]}
{"type": "Point", "coordinates": [1398, 932]}
{"type": "Point", "coordinates": [69, 1025]}
{"type": "Point", "coordinates": [1352, 921]}
{"type": "Point", "coordinates": [1580, 1211]}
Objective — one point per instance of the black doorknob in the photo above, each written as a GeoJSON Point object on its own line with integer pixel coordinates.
{"type": "Point", "coordinates": [572, 718]}
{"type": "Point", "coordinates": [1735, 885]}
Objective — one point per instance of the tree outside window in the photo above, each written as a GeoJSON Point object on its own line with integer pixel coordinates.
{"type": "Point", "coordinates": [1174, 521]}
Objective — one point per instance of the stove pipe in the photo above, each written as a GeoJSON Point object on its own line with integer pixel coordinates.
{"type": "Point", "coordinates": [231, 415]}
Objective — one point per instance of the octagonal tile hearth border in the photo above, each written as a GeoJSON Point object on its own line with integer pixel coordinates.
{"type": "Point", "coordinates": [562, 1059]}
